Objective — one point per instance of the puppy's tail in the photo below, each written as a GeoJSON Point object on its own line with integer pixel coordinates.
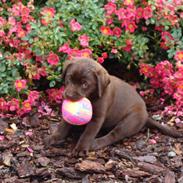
{"type": "Point", "coordinates": [164, 129]}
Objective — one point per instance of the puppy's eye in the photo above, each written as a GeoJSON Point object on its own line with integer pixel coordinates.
{"type": "Point", "coordinates": [84, 84]}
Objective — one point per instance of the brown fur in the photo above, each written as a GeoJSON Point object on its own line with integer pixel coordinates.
{"type": "Point", "coordinates": [116, 105]}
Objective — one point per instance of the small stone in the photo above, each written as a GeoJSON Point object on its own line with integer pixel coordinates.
{"type": "Point", "coordinates": [7, 157]}
{"type": "Point", "coordinates": [43, 161]}
{"type": "Point", "coordinates": [171, 154]}
{"type": "Point", "coordinates": [148, 159]}
{"type": "Point", "coordinates": [14, 127]}
{"type": "Point", "coordinates": [157, 117]}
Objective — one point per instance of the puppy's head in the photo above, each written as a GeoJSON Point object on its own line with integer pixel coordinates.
{"type": "Point", "coordinates": [84, 77]}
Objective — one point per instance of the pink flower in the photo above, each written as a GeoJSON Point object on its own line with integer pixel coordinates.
{"type": "Point", "coordinates": [26, 106]}
{"type": "Point", "coordinates": [55, 95]}
{"type": "Point", "coordinates": [65, 48]}
{"type": "Point", "coordinates": [139, 13]}
{"type": "Point", "coordinates": [159, 28]}
{"type": "Point", "coordinates": [3, 105]}
{"type": "Point", "coordinates": [164, 68]}
{"type": "Point", "coordinates": [128, 46]}
{"type": "Point", "coordinates": [147, 70]}
{"type": "Point", "coordinates": [14, 104]}
{"type": "Point", "coordinates": [147, 13]}
{"type": "Point", "coordinates": [86, 52]}
{"type": "Point", "coordinates": [2, 33]}
{"type": "Point", "coordinates": [20, 84]}
{"type": "Point", "coordinates": [109, 21]}
{"type": "Point", "coordinates": [75, 26]}
{"type": "Point", "coordinates": [117, 31]}
{"type": "Point", "coordinates": [110, 8]}
{"type": "Point", "coordinates": [81, 53]}
{"type": "Point", "coordinates": [114, 51]}
{"type": "Point", "coordinates": [42, 71]}
{"type": "Point", "coordinates": [106, 30]}
{"type": "Point", "coordinates": [164, 45]}
{"type": "Point", "coordinates": [104, 55]}
{"type": "Point", "coordinates": [84, 39]}
{"type": "Point", "coordinates": [47, 15]}
{"type": "Point", "coordinates": [33, 96]}
{"type": "Point", "coordinates": [129, 26]}
{"type": "Point", "coordinates": [53, 59]}
{"type": "Point", "coordinates": [2, 21]}
{"type": "Point", "coordinates": [166, 36]}
{"type": "Point", "coordinates": [179, 56]}
{"type": "Point", "coordinates": [100, 60]}
{"type": "Point", "coordinates": [20, 33]}
{"type": "Point", "coordinates": [25, 14]}
{"type": "Point", "coordinates": [12, 21]}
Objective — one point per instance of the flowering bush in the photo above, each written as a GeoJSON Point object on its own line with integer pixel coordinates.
{"type": "Point", "coordinates": [35, 41]}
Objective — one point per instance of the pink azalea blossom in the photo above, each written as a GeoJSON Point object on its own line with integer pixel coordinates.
{"type": "Point", "coordinates": [26, 106]}
{"type": "Point", "coordinates": [179, 56]}
{"type": "Point", "coordinates": [2, 21]}
{"type": "Point", "coordinates": [106, 30]}
{"type": "Point", "coordinates": [14, 104]}
{"type": "Point", "coordinates": [48, 14]}
{"type": "Point", "coordinates": [110, 8]}
{"type": "Point", "coordinates": [55, 95]}
{"type": "Point", "coordinates": [100, 60]}
{"type": "Point", "coordinates": [129, 26]}
{"type": "Point", "coordinates": [3, 105]}
{"type": "Point", "coordinates": [86, 52]}
{"type": "Point", "coordinates": [128, 46]}
{"type": "Point", "coordinates": [20, 84]}
{"type": "Point", "coordinates": [33, 96]}
{"type": "Point", "coordinates": [109, 21]}
{"type": "Point", "coordinates": [121, 13]}
{"type": "Point", "coordinates": [147, 13]}
{"type": "Point", "coordinates": [84, 40]}
{"type": "Point", "coordinates": [65, 48]}
{"type": "Point", "coordinates": [114, 51]}
{"type": "Point", "coordinates": [117, 32]}
{"type": "Point", "coordinates": [53, 59]}
{"type": "Point", "coordinates": [139, 13]}
{"type": "Point", "coordinates": [75, 26]}
{"type": "Point", "coordinates": [81, 53]}
{"type": "Point", "coordinates": [104, 55]}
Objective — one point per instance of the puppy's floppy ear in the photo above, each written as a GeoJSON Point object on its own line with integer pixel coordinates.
{"type": "Point", "coordinates": [103, 81]}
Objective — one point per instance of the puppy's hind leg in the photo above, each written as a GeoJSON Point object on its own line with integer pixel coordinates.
{"type": "Point", "coordinates": [129, 126]}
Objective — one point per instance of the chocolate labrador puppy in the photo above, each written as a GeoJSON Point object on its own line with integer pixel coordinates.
{"type": "Point", "coordinates": [116, 105]}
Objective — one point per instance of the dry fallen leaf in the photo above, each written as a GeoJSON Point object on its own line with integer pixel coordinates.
{"type": "Point", "coordinates": [178, 148]}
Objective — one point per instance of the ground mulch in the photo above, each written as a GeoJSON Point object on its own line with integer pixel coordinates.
{"type": "Point", "coordinates": [148, 157]}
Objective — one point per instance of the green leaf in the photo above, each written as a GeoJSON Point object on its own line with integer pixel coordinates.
{"type": "Point", "coordinates": [2, 68]}
{"type": "Point", "coordinates": [52, 83]}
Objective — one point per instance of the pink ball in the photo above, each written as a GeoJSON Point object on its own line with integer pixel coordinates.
{"type": "Point", "coordinates": [77, 112]}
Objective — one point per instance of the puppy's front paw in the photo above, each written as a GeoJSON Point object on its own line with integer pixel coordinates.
{"type": "Point", "coordinates": [94, 146]}
{"type": "Point", "coordinates": [80, 150]}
